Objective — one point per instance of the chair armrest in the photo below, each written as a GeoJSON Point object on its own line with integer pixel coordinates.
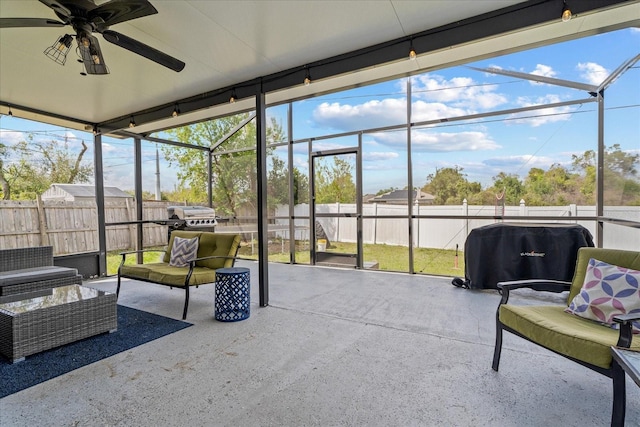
{"type": "Point", "coordinates": [626, 334]}
{"type": "Point", "coordinates": [546, 285]}
{"type": "Point", "coordinates": [141, 251]}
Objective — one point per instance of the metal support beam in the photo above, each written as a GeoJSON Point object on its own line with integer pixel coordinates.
{"type": "Point", "coordinates": [600, 171]}
{"type": "Point", "coordinates": [292, 190]}
{"type": "Point", "coordinates": [409, 179]}
{"type": "Point", "coordinates": [261, 160]}
{"type": "Point", "coordinates": [210, 178]}
{"type": "Point", "coordinates": [102, 231]}
{"type": "Point", "coordinates": [137, 149]}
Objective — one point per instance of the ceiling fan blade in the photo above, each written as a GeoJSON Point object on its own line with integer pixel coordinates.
{"type": "Point", "coordinates": [91, 54]}
{"type": "Point", "coordinates": [117, 11]}
{"type": "Point", "coordinates": [58, 8]}
{"type": "Point", "coordinates": [29, 22]}
{"type": "Point", "coordinates": [143, 50]}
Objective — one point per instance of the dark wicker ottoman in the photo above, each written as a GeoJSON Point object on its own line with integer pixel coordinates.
{"type": "Point", "coordinates": [38, 321]}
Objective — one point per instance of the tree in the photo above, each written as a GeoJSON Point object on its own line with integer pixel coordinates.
{"type": "Point", "coordinates": [39, 165]}
{"type": "Point", "coordinates": [450, 186]}
{"type": "Point", "coordinates": [509, 186]}
{"type": "Point", "coordinates": [4, 184]}
{"type": "Point", "coordinates": [621, 185]}
{"type": "Point", "coordinates": [300, 187]}
{"type": "Point", "coordinates": [386, 190]}
{"type": "Point", "coordinates": [234, 173]}
{"type": "Point", "coordinates": [334, 183]}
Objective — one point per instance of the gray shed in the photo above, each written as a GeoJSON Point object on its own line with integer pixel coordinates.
{"type": "Point", "coordinates": [78, 192]}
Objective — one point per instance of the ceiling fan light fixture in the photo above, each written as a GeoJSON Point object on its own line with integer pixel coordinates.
{"type": "Point", "coordinates": [59, 49]}
{"type": "Point", "coordinates": [91, 54]}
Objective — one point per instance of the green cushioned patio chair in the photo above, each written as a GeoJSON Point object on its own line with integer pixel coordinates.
{"type": "Point", "coordinates": [215, 250]}
{"type": "Point", "coordinates": [584, 341]}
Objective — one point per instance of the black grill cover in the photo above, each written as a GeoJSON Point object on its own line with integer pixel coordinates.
{"type": "Point", "coordinates": [504, 251]}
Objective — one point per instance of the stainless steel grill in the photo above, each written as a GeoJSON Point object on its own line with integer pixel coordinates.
{"type": "Point", "coordinates": [195, 218]}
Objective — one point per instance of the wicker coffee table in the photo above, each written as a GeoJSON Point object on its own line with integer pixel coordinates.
{"type": "Point", "coordinates": [38, 321]}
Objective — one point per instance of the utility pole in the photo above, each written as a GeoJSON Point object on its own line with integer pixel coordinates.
{"type": "Point", "coordinates": [158, 196]}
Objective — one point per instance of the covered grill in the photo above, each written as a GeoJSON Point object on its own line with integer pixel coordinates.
{"type": "Point", "coordinates": [194, 218]}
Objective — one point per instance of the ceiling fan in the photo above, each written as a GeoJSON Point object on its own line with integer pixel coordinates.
{"type": "Point", "coordinates": [86, 18]}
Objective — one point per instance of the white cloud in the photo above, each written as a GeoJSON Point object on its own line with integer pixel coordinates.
{"type": "Point", "coordinates": [462, 92]}
{"type": "Point", "coordinates": [542, 116]}
{"type": "Point", "coordinates": [440, 142]}
{"type": "Point", "coordinates": [525, 162]}
{"type": "Point", "coordinates": [11, 137]}
{"type": "Point", "coordinates": [435, 98]}
{"type": "Point", "coordinates": [379, 156]}
{"type": "Point", "coordinates": [593, 73]}
{"type": "Point", "coordinates": [424, 111]}
{"type": "Point", "coordinates": [363, 116]}
{"type": "Point", "coordinates": [544, 70]}
{"type": "Point", "coordinates": [109, 148]}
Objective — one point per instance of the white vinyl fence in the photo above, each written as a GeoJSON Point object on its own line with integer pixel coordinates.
{"type": "Point", "coordinates": [449, 233]}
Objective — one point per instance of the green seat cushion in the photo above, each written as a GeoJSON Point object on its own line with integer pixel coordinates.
{"type": "Point", "coordinates": [565, 333]}
{"type": "Point", "coordinates": [137, 271]}
{"type": "Point", "coordinates": [167, 275]}
{"type": "Point", "coordinates": [175, 276]}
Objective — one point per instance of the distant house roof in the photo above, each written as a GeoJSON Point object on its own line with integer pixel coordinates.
{"type": "Point", "coordinates": [82, 191]}
{"type": "Point", "coordinates": [400, 197]}
{"type": "Point", "coordinates": [367, 198]}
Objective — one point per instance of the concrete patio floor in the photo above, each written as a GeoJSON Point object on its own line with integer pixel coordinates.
{"type": "Point", "coordinates": [334, 348]}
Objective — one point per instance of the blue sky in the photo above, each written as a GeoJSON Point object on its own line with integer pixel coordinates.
{"type": "Point", "coordinates": [483, 148]}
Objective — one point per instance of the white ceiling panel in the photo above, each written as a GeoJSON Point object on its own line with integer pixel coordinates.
{"type": "Point", "coordinates": [223, 43]}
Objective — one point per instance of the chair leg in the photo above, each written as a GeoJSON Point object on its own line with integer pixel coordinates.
{"type": "Point", "coordinates": [186, 302]}
{"type": "Point", "coordinates": [619, 395]}
{"type": "Point", "coordinates": [498, 348]}
{"type": "Point", "coordinates": [118, 288]}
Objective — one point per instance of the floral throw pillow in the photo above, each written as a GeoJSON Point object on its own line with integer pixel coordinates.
{"type": "Point", "coordinates": [183, 251]}
{"type": "Point", "coordinates": [607, 291]}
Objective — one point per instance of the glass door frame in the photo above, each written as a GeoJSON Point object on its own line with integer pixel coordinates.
{"type": "Point", "coordinates": [312, 199]}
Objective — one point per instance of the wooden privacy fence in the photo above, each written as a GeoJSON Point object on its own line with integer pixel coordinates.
{"type": "Point", "coordinates": [72, 227]}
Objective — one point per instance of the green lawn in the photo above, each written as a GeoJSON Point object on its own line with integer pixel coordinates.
{"type": "Point", "coordinates": [390, 258]}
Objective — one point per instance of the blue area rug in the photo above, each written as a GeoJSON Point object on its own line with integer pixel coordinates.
{"type": "Point", "coordinates": [135, 327]}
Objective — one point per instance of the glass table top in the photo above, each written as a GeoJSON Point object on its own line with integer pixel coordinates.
{"type": "Point", "coordinates": [22, 303]}
{"type": "Point", "coordinates": [630, 362]}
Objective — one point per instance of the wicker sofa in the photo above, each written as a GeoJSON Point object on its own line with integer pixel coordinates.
{"type": "Point", "coordinates": [215, 251]}
{"type": "Point", "coordinates": [31, 269]}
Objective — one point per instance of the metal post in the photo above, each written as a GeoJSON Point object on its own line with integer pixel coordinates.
{"type": "Point", "coordinates": [210, 178]}
{"type": "Point", "coordinates": [137, 148]}
{"type": "Point", "coordinates": [261, 159]}
{"type": "Point", "coordinates": [600, 172]}
{"type": "Point", "coordinates": [102, 231]}
{"type": "Point", "coordinates": [292, 201]}
{"type": "Point", "coordinates": [409, 179]}
{"type": "Point", "coordinates": [359, 226]}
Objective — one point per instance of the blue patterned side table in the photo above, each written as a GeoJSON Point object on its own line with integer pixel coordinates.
{"type": "Point", "coordinates": [232, 294]}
